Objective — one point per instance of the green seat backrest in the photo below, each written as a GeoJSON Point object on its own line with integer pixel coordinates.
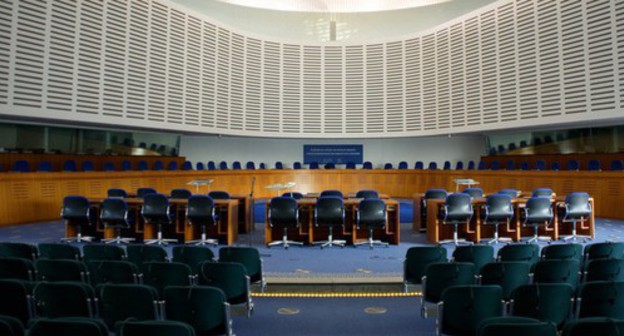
{"type": "Point", "coordinates": [546, 302]}
{"type": "Point", "coordinates": [18, 250]}
{"type": "Point", "coordinates": [465, 307]}
{"type": "Point", "coordinates": [479, 255]}
{"type": "Point", "coordinates": [417, 259]}
{"type": "Point", "coordinates": [249, 257]}
{"type": "Point", "coordinates": [603, 326]}
{"type": "Point", "coordinates": [440, 276]}
{"type": "Point", "coordinates": [231, 278]}
{"type": "Point", "coordinates": [94, 252]}
{"type": "Point", "coordinates": [64, 299]}
{"type": "Point", "coordinates": [602, 299]}
{"type": "Point", "coordinates": [119, 302]}
{"type": "Point", "coordinates": [520, 252]}
{"type": "Point", "coordinates": [192, 256]}
{"type": "Point", "coordinates": [74, 326]}
{"type": "Point", "coordinates": [563, 251]}
{"type": "Point", "coordinates": [202, 307]}
{"type": "Point", "coordinates": [557, 271]}
{"type": "Point", "coordinates": [139, 254]}
{"type": "Point", "coordinates": [11, 326]}
{"type": "Point", "coordinates": [507, 274]}
{"type": "Point", "coordinates": [15, 300]}
{"type": "Point", "coordinates": [162, 274]}
{"type": "Point", "coordinates": [112, 271]}
{"type": "Point", "coordinates": [605, 270]}
{"type": "Point", "coordinates": [17, 268]}
{"type": "Point", "coordinates": [59, 251]}
{"type": "Point", "coordinates": [61, 270]}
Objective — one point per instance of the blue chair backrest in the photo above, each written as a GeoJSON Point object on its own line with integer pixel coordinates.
{"type": "Point", "coordinates": [211, 165]}
{"type": "Point", "coordinates": [511, 165]}
{"type": "Point", "coordinates": [495, 165]}
{"type": "Point", "coordinates": [142, 165]}
{"type": "Point", "coordinates": [126, 165]}
{"type": "Point", "coordinates": [314, 165]}
{"type": "Point", "coordinates": [200, 166]}
{"type": "Point", "coordinates": [262, 165]}
{"type": "Point", "coordinates": [542, 192]}
{"type": "Point", "coordinates": [573, 165]}
{"type": "Point", "coordinates": [223, 165]}
{"type": "Point", "coordinates": [69, 165]}
{"type": "Point", "coordinates": [555, 166]}
{"type": "Point", "coordinates": [617, 165]}
{"type": "Point", "coordinates": [330, 165]}
{"type": "Point", "coordinates": [109, 166]}
{"type": "Point", "coordinates": [187, 165]}
{"type": "Point", "coordinates": [432, 165]}
{"type": "Point", "coordinates": [350, 165]}
{"type": "Point", "coordinates": [540, 165]}
{"type": "Point", "coordinates": [593, 165]}
{"type": "Point", "coordinates": [482, 165]}
{"type": "Point", "coordinates": [279, 165]}
{"type": "Point", "coordinates": [158, 165]}
{"type": "Point", "coordinates": [388, 166]}
{"type": "Point", "coordinates": [447, 165]}
{"type": "Point", "coordinates": [297, 165]}
{"type": "Point", "coordinates": [419, 165]}
{"type": "Point", "coordinates": [44, 166]}
{"type": "Point", "coordinates": [459, 165]}
{"type": "Point", "coordinates": [403, 165]}
{"type": "Point", "coordinates": [173, 165]}
{"type": "Point", "coordinates": [367, 165]}
{"type": "Point", "coordinates": [236, 165]}
{"type": "Point", "coordinates": [525, 166]}
{"type": "Point", "coordinates": [512, 146]}
{"type": "Point", "coordinates": [501, 148]}
{"type": "Point", "coordinates": [471, 165]}
{"type": "Point", "coordinates": [250, 165]}
{"type": "Point", "coordinates": [87, 166]}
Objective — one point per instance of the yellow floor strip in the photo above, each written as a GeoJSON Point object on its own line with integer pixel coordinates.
{"type": "Point", "coordinates": [336, 295]}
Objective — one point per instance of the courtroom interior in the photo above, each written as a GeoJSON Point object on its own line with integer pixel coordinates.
{"type": "Point", "coordinates": [299, 167]}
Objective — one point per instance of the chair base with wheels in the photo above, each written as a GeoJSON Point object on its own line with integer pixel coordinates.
{"type": "Point", "coordinates": [159, 240]}
{"type": "Point", "coordinates": [78, 238]}
{"type": "Point", "coordinates": [370, 241]}
{"type": "Point", "coordinates": [498, 239]}
{"type": "Point", "coordinates": [574, 236]}
{"type": "Point", "coordinates": [285, 242]}
{"type": "Point", "coordinates": [203, 240]}
{"type": "Point", "coordinates": [537, 238]}
{"type": "Point", "coordinates": [118, 239]}
{"type": "Point", "coordinates": [456, 240]}
{"type": "Point", "coordinates": [330, 241]}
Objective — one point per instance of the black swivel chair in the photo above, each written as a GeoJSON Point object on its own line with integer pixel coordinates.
{"type": "Point", "coordinates": [180, 194]}
{"type": "Point", "coordinates": [142, 192]}
{"type": "Point", "coordinates": [336, 193]}
{"type": "Point", "coordinates": [201, 211]}
{"type": "Point", "coordinates": [155, 210]}
{"type": "Point", "coordinates": [498, 210]}
{"type": "Point", "coordinates": [116, 192]}
{"type": "Point", "coordinates": [329, 212]}
{"type": "Point", "coordinates": [218, 194]}
{"type": "Point", "coordinates": [545, 192]}
{"type": "Point", "coordinates": [75, 212]}
{"type": "Point", "coordinates": [537, 212]}
{"type": "Point", "coordinates": [473, 192]}
{"type": "Point", "coordinates": [577, 210]}
{"type": "Point", "coordinates": [367, 194]}
{"type": "Point", "coordinates": [284, 214]}
{"type": "Point", "coordinates": [429, 194]}
{"type": "Point", "coordinates": [457, 210]}
{"type": "Point", "coordinates": [293, 194]}
{"type": "Point", "coordinates": [114, 214]}
{"type": "Point", "coordinates": [371, 212]}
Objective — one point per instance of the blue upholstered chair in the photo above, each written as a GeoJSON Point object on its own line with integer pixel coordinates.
{"type": "Point", "coordinates": [367, 165]}
{"type": "Point", "coordinates": [173, 165]}
{"type": "Point", "coordinates": [314, 165]}
{"type": "Point", "coordinates": [350, 165]}
{"type": "Point", "coordinates": [572, 165]}
{"type": "Point", "coordinates": [471, 165]}
{"type": "Point", "coordinates": [279, 165]}
{"type": "Point", "coordinates": [555, 166]}
{"type": "Point", "coordinates": [126, 165]}
{"type": "Point", "coordinates": [187, 165]}
{"type": "Point", "coordinates": [44, 166]}
{"type": "Point", "coordinates": [447, 165]}
{"type": "Point", "coordinates": [157, 165]}
{"type": "Point", "coordinates": [511, 165]}
{"type": "Point", "coordinates": [200, 166]}
{"type": "Point", "coordinates": [69, 165]}
{"type": "Point", "coordinates": [142, 166]}
{"type": "Point", "coordinates": [459, 165]}
{"type": "Point", "coordinates": [109, 166]}
{"type": "Point", "coordinates": [223, 165]}
{"type": "Point", "coordinates": [87, 166]}
{"type": "Point", "coordinates": [482, 165]}
{"type": "Point", "coordinates": [495, 165]}
{"type": "Point", "coordinates": [211, 165]}
{"type": "Point", "coordinates": [540, 165]}
{"type": "Point", "coordinates": [388, 166]}
{"type": "Point", "coordinates": [525, 165]}
{"type": "Point", "coordinates": [617, 165]}
{"type": "Point", "coordinates": [403, 165]}
{"type": "Point", "coordinates": [432, 165]}
{"type": "Point", "coordinates": [330, 165]}
{"type": "Point", "coordinates": [594, 165]}
{"type": "Point", "coordinates": [419, 165]}
{"type": "Point", "coordinates": [297, 165]}
{"type": "Point", "coordinates": [262, 166]}
{"type": "Point", "coordinates": [236, 165]}
{"type": "Point", "coordinates": [250, 165]}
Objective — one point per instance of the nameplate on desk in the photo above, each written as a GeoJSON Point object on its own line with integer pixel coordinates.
{"type": "Point", "coordinates": [200, 182]}
{"type": "Point", "coordinates": [465, 181]}
{"type": "Point", "coordinates": [279, 186]}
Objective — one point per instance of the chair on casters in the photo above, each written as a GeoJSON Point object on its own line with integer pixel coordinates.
{"type": "Point", "coordinates": [329, 211]}
{"type": "Point", "coordinates": [284, 213]}
{"type": "Point", "coordinates": [156, 211]}
{"type": "Point", "coordinates": [367, 194]}
{"type": "Point", "coordinates": [371, 212]}
{"type": "Point", "coordinates": [537, 212]}
{"type": "Point", "coordinates": [201, 211]}
{"type": "Point", "coordinates": [577, 209]}
{"type": "Point", "coordinates": [114, 214]}
{"type": "Point", "coordinates": [75, 212]}
{"type": "Point", "coordinates": [498, 210]}
{"type": "Point", "coordinates": [429, 194]}
{"type": "Point", "coordinates": [457, 210]}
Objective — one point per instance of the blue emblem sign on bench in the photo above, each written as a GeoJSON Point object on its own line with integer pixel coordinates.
{"type": "Point", "coordinates": [337, 154]}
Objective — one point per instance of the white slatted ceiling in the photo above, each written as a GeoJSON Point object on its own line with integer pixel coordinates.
{"type": "Point", "coordinates": [148, 61]}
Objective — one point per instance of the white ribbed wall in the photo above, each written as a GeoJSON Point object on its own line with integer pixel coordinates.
{"type": "Point", "coordinates": [152, 64]}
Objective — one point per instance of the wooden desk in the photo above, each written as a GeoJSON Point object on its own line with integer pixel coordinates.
{"type": "Point", "coordinates": [476, 230]}
{"type": "Point", "coordinates": [308, 233]}
{"type": "Point", "coordinates": [227, 230]}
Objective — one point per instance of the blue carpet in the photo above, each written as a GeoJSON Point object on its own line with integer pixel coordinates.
{"type": "Point", "coordinates": [335, 316]}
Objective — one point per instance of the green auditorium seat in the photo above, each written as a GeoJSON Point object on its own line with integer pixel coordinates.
{"type": "Point", "coordinates": [162, 274]}
{"type": "Point", "coordinates": [604, 270]}
{"type": "Point", "coordinates": [507, 274]}
{"type": "Point", "coordinates": [11, 326]}
{"type": "Point", "coordinates": [68, 326]}
{"type": "Point", "coordinates": [113, 272]}
{"type": "Point", "coordinates": [520, 252]}
{"type": "Point", "coordinates": [249, 257]}
{"type": "Point", "coordinates": [603, 326]}
{"type": "Point", "coordinates": [16, 299]}
{"type": "Point", "coordinates": [93, 252]}
{"type": "Point", "coordinates": [192, 256]}
{"type": "Point", "coordinates": [557, 271]}
{"type": "Point", "coordinates": [231, 278]}
{"type": "Point", "coordinates": [154, 328]}
{"type": "Point", "coordinates": [140, 254]}
{"type": "Point", "coordinates": [601, 299]}
{"type": "Point", "coordinates": [64, 299]}
{"type": "Point", "coordinates": [120, 302]}
{"type": "Point", "coordinates": [479, 255]}
{"type": "Point", "coordinates": [204, 308]}
{"type": "Point", "coordinates": [515, 326]}
{"type": "Point", "coordinates": [563, 251]}
{"type": "Point", "coordinates": [604, 250]}
{"type": "Point", "coordinates": [440, 276]}
{"type": "Point", "coordinates": [17, 268]}
{"type": "Point", "coordinates": [417, 259]}
{"type": "Point", "coordinates": [61, 270]}
{"type": "Point", "coordinates": [18, 250]}
{"type": "Point", "coordinates": [59, 251]}
{"type": "Point", "coordinates": [549, 302]}
{"type": "Point", "coordinates": [463, 308]}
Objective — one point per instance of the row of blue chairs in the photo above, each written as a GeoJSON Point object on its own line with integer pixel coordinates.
{"type": "Point", "coordinates": [24, 166]}
{"type": "Point", "coordinates": [572, 165]}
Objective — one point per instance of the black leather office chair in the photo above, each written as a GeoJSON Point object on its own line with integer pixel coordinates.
{"type": "Point", "coordinates": [498, 210]}
{"type": "Point", "coordinates": [284, 214]}
{"type": "Point", "coordinates": [473, 192]}
{"type": "Point", "coordinates": [542, 192]}
{"type": "Point", "coordinates": [114, 214]}
{"type": "Point", "coordinates": [513, 193]}
{"type": "Point", "coordinates": [116, 192]}
{"type": "Point", "coordinates": [429, 194]}
{"type": "Point", "coordinates": [329, 212]}
{"type": "Point", "coordinates": [371, 212]}
{"type": "Point", "coordinates": [457, 210]}
{"type": "Point", "coordinates": [330, 165]}
{"type": "Point", "coordinates": [142, 192]}
{"type": "Point", "coordinates": [75, 212]}
{"type": "Point", "coordinates": [201, 211]}
{"type": "Point", "coordinates": [336, 193]}
{"type": "Point", "coordinates": [367, 165]}
{"type": "Point", "coordinates": [293, 194]}
{"type": "Point", "coordinates": [537, 213]}
{"type": "Point", "coordinates": [218, 194]}
{"type": "Point", "coordinates": [180, 194]}
{"type": "Point", "coordinates": [367, 194]}
{"type": "Point", "coordinates": [577, 210]}
{"type": "Point", "coordinates": [155, 211]}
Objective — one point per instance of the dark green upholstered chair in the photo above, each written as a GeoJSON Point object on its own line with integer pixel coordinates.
{"type": "Point", "coordinates": [604, 270]}
{"type": "Point", "coordinates": [463, 308]}
{"type": "Point", "coordinates": [162, 274]}
{"type": "Point", "coordinates": [204, 308]}
{"type": "Point", "coordinates": [73, 326]}
{"type": "Point", "coordinates": [529, 253]}
{"type": "Point", "coordinates": [507, 274]}
{"type": "Point", "coordinates": [440, 276]}
{"type": "Point", "coordinates": [557, 271]}
{"type": "Point", "coordinates": [64, 299]}
{"type": "Point", "coordinates": [479, 255]}
{"type": "Point", "coordinates": [549, 302]}
{"type": "Point", "coordinates": [93, 252]}
{"type": "Point", "coordinates": [604, 250]}
{"type": "Point", "coordinates": [154, 328]}
{"type": "Point", "coordinates": [249, 257]}
{"type": "Point", "coordinates": [603, 326]}
{"type": "Point", "coordinates": [18, 250]}
{"type": "Point", "coordinates": [231, 278]}
{"type": "Point", "coordinates": [59, 251]}
{"type": "Point", "coordinates": [119, 302]}
{"type": "Point", "coordinates": [417, 259]}
{"type": "Point", "coordinates": [139, 254]}
{"type": "Point", "coordinates": [601, 299]}
{"type": "Point", "coordinates": [563, 251]}
{"type": "Point", "coordinates": [113, 272]}
{"type": "Point", "coordinates": [61, 270]}
{"type": "Point", "coordinates": [16, 299]}
{"type": "Point", "coordinates": [11, 326]}
{"type": "Point", "coordinates": [515, 326]}
{"type": "Point", "coordinates": [192, 256]}
{"type": "Point", "coordinates": [17, 268]}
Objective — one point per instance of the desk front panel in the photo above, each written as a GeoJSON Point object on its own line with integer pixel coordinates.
{"type": "Point", "coordinates": [33, 197]}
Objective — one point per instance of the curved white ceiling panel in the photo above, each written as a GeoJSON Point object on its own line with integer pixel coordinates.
{"type": "Point", "coordinates": [151, 64]}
